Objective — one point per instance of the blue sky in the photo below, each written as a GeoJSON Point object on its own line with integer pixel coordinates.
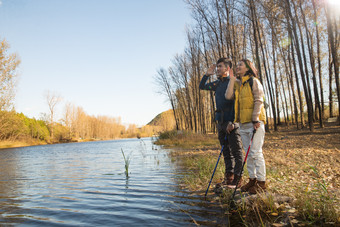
{"type": "Point", "coordinates": [100, 55]}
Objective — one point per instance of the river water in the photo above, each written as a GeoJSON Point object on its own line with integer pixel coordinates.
{"type": "Point", "coordinates": [84, 184]}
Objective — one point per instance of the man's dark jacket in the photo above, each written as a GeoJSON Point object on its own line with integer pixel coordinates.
{"type": "Point", "coordinates": [224, 108]}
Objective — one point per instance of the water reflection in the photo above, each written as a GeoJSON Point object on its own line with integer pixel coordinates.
{"type": "Point", "coordinates": [10, 181]}
{"type": "Point", "coordinates": [84, 184]}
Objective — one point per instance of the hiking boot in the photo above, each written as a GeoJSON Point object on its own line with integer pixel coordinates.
{"type": "Point", "coordinates": [260, 186]}
{"type": "Point", "coordinates": [234, 182]}
{"type": "Point", "coordinates": [247, 186]}
{"type": "Point", "coordinates": [228, 178]}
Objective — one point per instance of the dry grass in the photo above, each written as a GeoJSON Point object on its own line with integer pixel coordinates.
{"type": "Point", "coordinates": [306, 166]}
{"type": "Point", "coordinates": [292, 157]}
{"type": "Point", "coordinates": [187, 140]}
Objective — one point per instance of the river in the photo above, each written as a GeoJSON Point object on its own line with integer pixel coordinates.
{"type": "Point", "coordinates": [84, 184]}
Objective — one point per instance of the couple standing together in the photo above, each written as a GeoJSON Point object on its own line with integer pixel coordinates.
{"type": "Point", "coordinates": [239, 111]}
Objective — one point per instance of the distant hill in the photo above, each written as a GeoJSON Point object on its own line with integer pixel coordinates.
{"type": "Point", "coordinates": [165, 121]}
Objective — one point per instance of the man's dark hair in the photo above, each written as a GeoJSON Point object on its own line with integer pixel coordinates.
{"type": "Point", "coordinates": [227, 62]}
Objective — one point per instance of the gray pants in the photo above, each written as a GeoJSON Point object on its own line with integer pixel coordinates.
{"type": "Point", "coordinates": [232, 150]}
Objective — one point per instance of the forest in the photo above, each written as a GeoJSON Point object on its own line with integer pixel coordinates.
{"type": "Point", "coordinates": [294, 45]}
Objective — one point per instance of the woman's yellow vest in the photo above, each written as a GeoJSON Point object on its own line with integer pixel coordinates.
{"type": "Point", "coordinates": [244, 102]}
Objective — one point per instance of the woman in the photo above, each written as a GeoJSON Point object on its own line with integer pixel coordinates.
{"type": "Point", "coordinates": [250, 113]}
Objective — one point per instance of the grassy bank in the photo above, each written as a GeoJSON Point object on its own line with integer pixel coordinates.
{"type": "Point", "coordinates": [187, 140]}
{"type": "Point", "coordinates": [20, 143]}
{"type": "Point", "coordinates": [302, 165]}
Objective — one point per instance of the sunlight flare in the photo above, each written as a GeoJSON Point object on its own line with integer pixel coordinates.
{"type": "Point", "coordinates": [334, 4]}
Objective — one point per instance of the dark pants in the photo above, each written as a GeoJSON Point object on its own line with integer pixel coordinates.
{"type": "Point", "coordinates": [232, 150]}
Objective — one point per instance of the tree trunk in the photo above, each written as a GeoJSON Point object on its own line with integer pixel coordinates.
{"type": "Point", "coordinates": [276, 86]}
{"type": "Point", "coordinates": [319, 60]}
{"type": "Point", "coordinates": [312, 63]}
{"type": "Point", "coordinates": [330, 71]}
{"type": "Point", "coordinates": [297, 86]}
{"type": "Point", "coordinates": [332, 41]}
{"type": "Point", "coordinates": [300, 61]}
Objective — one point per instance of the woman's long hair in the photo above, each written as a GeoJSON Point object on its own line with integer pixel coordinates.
{"type": "Point", "coordinates": [251, 68]}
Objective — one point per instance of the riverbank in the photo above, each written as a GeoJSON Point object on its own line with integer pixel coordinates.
{"type": "Point", "coordinates": [20, 143]}
{"type": "Point", "coordinates": [301, 165]}
{"type": "Point", "coordinates": [34, 142]}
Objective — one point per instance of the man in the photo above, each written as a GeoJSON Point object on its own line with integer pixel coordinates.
{"type": "Point", "coordinates": [232, 150]}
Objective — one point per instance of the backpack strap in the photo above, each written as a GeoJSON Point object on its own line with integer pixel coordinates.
{"type": "Point", "coordinates": [250, 81]}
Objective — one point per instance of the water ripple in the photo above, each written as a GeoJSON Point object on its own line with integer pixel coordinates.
{"type": "Point", "coordinates": [84, 184]}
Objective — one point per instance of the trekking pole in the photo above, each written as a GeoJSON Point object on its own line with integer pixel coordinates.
{"type": "Point", "coordinates": [244, 162]}
{"type": "Point", "coordinates": [205, 196]}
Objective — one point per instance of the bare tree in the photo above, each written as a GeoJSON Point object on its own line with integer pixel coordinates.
{"type": "Point", "coordinates": [52, 100]}
{"type": "Point", "coordinates": [283, 38]}
{"type": "Point", "coordinates": [333, 37]}
{"type": "Point", "coordinates": [8, 75]}
{"type": "Point", "coordinates": [163, 81]}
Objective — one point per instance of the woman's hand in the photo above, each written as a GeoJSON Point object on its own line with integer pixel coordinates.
{"type": "Point", "coordinates": [231, 74]}
{"type": "Point", "coordinates": [257, 125]}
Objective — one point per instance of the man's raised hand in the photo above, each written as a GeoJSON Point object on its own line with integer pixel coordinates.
{"type": "Point", "coordinates": [211, 70]}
